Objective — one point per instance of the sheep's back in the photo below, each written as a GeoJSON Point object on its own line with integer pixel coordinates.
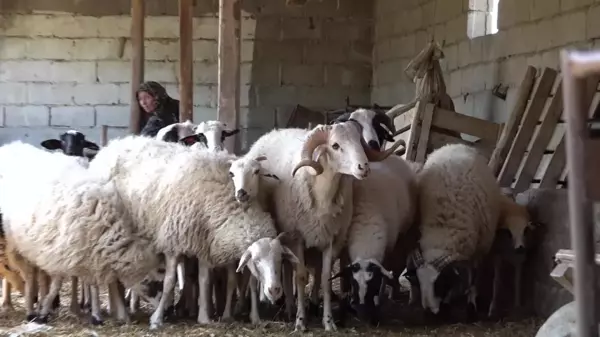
{"type": "Point", "coordinates": [459, 203]}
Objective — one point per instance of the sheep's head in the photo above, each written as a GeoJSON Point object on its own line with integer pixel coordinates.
{"type": "Point", "coordinates": [176, 131]}
{"type": "Point", "coordinates": [246, 174]}
{"type": "Point", "coordinates": [376, 127]}
{"type": "Point", "coordinates": [215, 133]}
{"type": "Point", "coordinates": [342, 149]}
{"type": "Point", "coordinates": [515, 222]}
{"type": "Point", "coordinates": [150, 288]}
{"type": "Point", "coordinates": [366, 276]}
{"type": "Point", "coordinates": [71, 143]}
{"type": "Point", "coordinates": [264, 258]}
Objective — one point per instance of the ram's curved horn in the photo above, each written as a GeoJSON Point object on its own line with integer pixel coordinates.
{"type": "Point", "coordinates": [374, 155]}
{"type": "Point", "coordinates": [315, 138]}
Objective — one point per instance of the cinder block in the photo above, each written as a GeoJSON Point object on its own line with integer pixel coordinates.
{"type": "Point", "coordinates": [124, 93]}
{"type": "Point", "coordinates": [404, 46]}
{"type": "Point", "coordinates": [456, 29]}
{"type": "Point", "coordinates": [49, 49]}
{"type": "Point", "coordinates": [29, 115]}
{"type": "Point", "coordinates": [567, 5]}
{"type": "Point", "coordinates": [261, 117]}
{"type": "Point", "coordinates": [475, 5]}
{"type": "Point", "coordinates": [301, 28]}
{"type": "Point", "coordinates": [326, 52]}
{"type": "Point", "coordinates": [290, 51]}
{"type": "Point", "coordinates": [428, 17]}
{"type": "Point", "coordinates": [72, 116]}
{"type": "Point", "coordinates": [451, 57]}
{"type": "Point", "coordinates": [302, 74]}
{"type": "Point", "coordinates": [248, 27]}
{"type": "Point", "coordinates": [96, 49]}
{"type": "Point", "coordinates": [446, 10]}
{"type": "Point", "coordinates": [247, 97]}
{"type": "Point", "coordinates": [64, 25]}
{"type": "Point", "coordinates": [157, 50]}
{"type": "Point", "coordinates": [477, 24]}
{"type": "Point", "coordinates": [543, 8]}
{"type": "Point", "coordinates": [204, 73]}
{"type": "Point", "coordinates": [47, 71]}
{"type": "Point", "coordinates": [205, 50]}
{"type": "Point", "coordinates": [382, 51]}
{"type": "Point", "coordinates": [348, 30]}
{"type": "Point", "coordinates": [162, 72]}
{"type": "Point", "coordinates": [464, 51]}
{"type": "Point", "coordinates": [114, 71]}
{"type": "Point", "coordinates": [476, 47]}
{"type": "Point", "coordinates": [455, 86]}
{"type": "Point", "coordinates": [570, 27]}
{"type": "Point", "coordinates": [92, 94]}
{"type": "Point", "coordinates": [120, 26]}
{"type": "Point", "coordinates": [112, 115]}
{"type": "Point", "coordinates": [262, 73]}
{"type": "Point", "coordinates": [551, 59]}
{"type": "Point", "coordinates": [267, 28]}
{"type": "Point", "coordinates": [163, 27]}
{"type": "Point", "coordinates": [547, 37]}
{"type": "Point", "coordinates": [50, 93]}
{"type": "Point", "coordinates": [413, 19]}
{"type": "Point", "coordinates": [13, 93]}
{"type": "Point", "coordinates": [205, 96]}
{"type": "Point", "coordinates": [13, 48]}
{"type": "Point", "coordinates": [203, 113]}
{"type": "Point", "coordinates": [593, 24]}
{"type": "Point", "coordinates": [277, 95]}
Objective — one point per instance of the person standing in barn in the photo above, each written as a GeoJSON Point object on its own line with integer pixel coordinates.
{"type": "Point", "coordinates": [160, 109]}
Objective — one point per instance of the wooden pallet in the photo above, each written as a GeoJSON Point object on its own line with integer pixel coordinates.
{"type": "Point", "coordinates": [565, 264]}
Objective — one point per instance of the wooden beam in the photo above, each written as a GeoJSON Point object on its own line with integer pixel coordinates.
{"type": "Point", "coordinates": [230, 13]}
{"type": "Point", "coordinates": [137, 62]}
{"type": "Point", "coordinates": [186, 61]}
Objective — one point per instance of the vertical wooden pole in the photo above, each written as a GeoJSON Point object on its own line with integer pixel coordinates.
{"type": "Point", "coordinates": [230, 13]}
{"type": "Point", "coordinates": [186, 61]}
{"type": "Point", "coordinates": [137, 61]}
{"type": "Point", "coordinates": [580, 206]}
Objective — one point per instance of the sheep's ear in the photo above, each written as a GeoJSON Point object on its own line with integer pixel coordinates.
{"type": "Point", "coordinates": [321, 150]}
{"type": "Point", "coordinates": [289, 255]}
{"type": "Point", "coordinates": [91, 145]}
{"type": "Point", "coordinates": [193, 139]}
{"type": "Point", "coordinates": [244, 260]}
{"type": "Point", "coordinates": [52, 144]}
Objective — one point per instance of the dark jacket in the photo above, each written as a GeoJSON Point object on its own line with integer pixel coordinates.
{"type": "Point", "coordinates": [166, 113]}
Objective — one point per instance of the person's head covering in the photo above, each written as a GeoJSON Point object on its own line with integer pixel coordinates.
{"type": "Point", "coordinates": [167, 108]}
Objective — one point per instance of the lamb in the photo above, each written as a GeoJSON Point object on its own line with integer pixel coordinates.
{"type": "Point", "coordinates": [80, 227]}
{"type": "Point", "coordinates": [317, 202]}
{"type": "Point", "coordinates": [384, 209]}
{"type": "Point", "coordinates": [180, 197]}
{"type": "Point", "coordinates": [377, 127]}
{"type": "Point", "coordinates": [459, 209]}
{"type": "Point", "coordinates": [214, 133]}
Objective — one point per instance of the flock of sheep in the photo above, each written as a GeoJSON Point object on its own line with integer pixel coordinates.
{"type": "Point", "coordinates": [142, 215]}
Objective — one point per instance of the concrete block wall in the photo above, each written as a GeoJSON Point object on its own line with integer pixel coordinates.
{"type": "Point", "coordinates": [530, 32]}
{"type": "Point", "coordinates": [67, 63]}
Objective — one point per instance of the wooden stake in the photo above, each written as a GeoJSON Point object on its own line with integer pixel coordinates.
{"type": "Point", "coordinates": [137, 61]}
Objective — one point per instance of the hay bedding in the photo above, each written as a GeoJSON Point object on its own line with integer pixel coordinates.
{"type": "Point", "coordinates": [68, 325]}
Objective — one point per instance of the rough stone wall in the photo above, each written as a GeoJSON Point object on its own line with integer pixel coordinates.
{"type": "Point", "coordinates": [66, 63]}
{"type": "Point", "coordinates": [531, 32]}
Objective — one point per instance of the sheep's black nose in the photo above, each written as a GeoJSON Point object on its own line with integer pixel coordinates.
{"type": "Point", "coordinates": [520, 250]}
{"type": "Point", "coordinates": [374, 145]}
{"type": "Point", "coordinates": [242, 195]}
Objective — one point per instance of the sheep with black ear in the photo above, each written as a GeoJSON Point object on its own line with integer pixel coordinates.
{"type": "Point", "coordinates": [215, 133]}
{"type": "Point", "coordinates": [377, 127]}
{"type": "Point", "coordinates": [72, 143]}
{"type": "Point", "coordinates": [384, 210]}
{"type": "Point", "coordinates": [459, 210]}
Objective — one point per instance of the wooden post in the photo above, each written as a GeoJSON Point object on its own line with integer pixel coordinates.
{"type": "Point", "coordinates": [580, 206]}
{"type": "Point", "coordinates": [229, 65]}
{"type": "Point", "coordinates": [137, 61]}
{"type": "Point", "coordinates": [186, 61]}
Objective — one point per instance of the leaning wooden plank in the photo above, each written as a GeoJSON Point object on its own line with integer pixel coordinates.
{"type": "Point", "coordinates": [592, 166]}
{"type": "Point", "coordinates": [525, 132]}
{"type": "Point", "coordinates": [568, 256]}
{"type": "Point", "coordinates": [512, 125]}
{"type": "Point", "coordinates": [450, 120]}
{"type": "Point", "coordinates": [415, 132]}
{"type": "Point", "coordinates": [425, 131]}
{"type": "Point", "coordinates": [540, 143]}
{"type": "Point", "coordinates": [404, 121]}
{"type": "Point", "coordinates": [559, 160]}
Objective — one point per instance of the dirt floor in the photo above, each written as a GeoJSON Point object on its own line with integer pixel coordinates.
{"type": "Point", "coordinates": [66, 324]}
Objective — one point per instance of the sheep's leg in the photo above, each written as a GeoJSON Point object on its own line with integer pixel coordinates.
{"type": "Point", "coordinates": [6, 298]}
{"type": "Point", "coordinates": [300, 288]}
{"type": "Point", "coordinates": [231, 285]}
{"type": "Point", "coordinates": [30, 276]}
{"type": "Point", "coordinates": [43, 287]}
{"type": "Point", "coordinates": [85, 297]}
{"type": "Point", "coordinates": [493, 309]}
{"type": "Point", "coordinates": [55, 284]}
{"type": "Point", "coordinates": [313, 308]}
{"type": "Point", "coordinates": [328, 322]}
{"type": "Point", "coordinates": [204, 295]}
{"type": "Point", "coordinates": [118, 305]}
{"type": "Point", "coordinates": [254, 317]}
{"type": "Point", "coordinates": [240, 304]}
{"type": "Point", "coordinates": [288, 288]}
{"type": "Point", "coordinates": [219, 286]}
{"type": "Point", "coordinates": [134, 302]}
{"type": "Point", "coordinates": [74, 290]}
{"type": "Point", "coordinates": [96, 318]}
{"type": "Point", "coordinates": [156, 320]}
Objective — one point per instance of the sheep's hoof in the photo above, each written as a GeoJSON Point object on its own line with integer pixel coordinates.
{"type": "Point", "coordinates": [31, 317]}
{"type": "Point", "coordinates": [300, 325]}
{"type": "Point", "coordinates": [41, 319]}
{"type": "Point", "coordinates": [96, 320]}
{"type": "Point", "coordinates": [226, 319]}
{"type": "Point", "coordinates": [329, 324]}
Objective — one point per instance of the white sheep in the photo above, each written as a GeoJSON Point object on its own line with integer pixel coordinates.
{"type": "Point", "coordinates": [68, 223]}
{"type": "Point", "coordinates": [181, 198]}
{"type": "Point", "coordinates": [318, 202]}
{"type": "Point", "coordinates": [384, 208]}
{"type": "Point", "coordinates": [459, 209]}
{"type": "Point", "coordinates": [214, 133]}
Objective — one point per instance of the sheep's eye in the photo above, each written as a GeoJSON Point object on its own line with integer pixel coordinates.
{"type": "Point", "coordinates": [231, 174]}
{"type": "Point", "coordinates": [335, 146]}
{"type": "Point", "coordinates": [255, 171]}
